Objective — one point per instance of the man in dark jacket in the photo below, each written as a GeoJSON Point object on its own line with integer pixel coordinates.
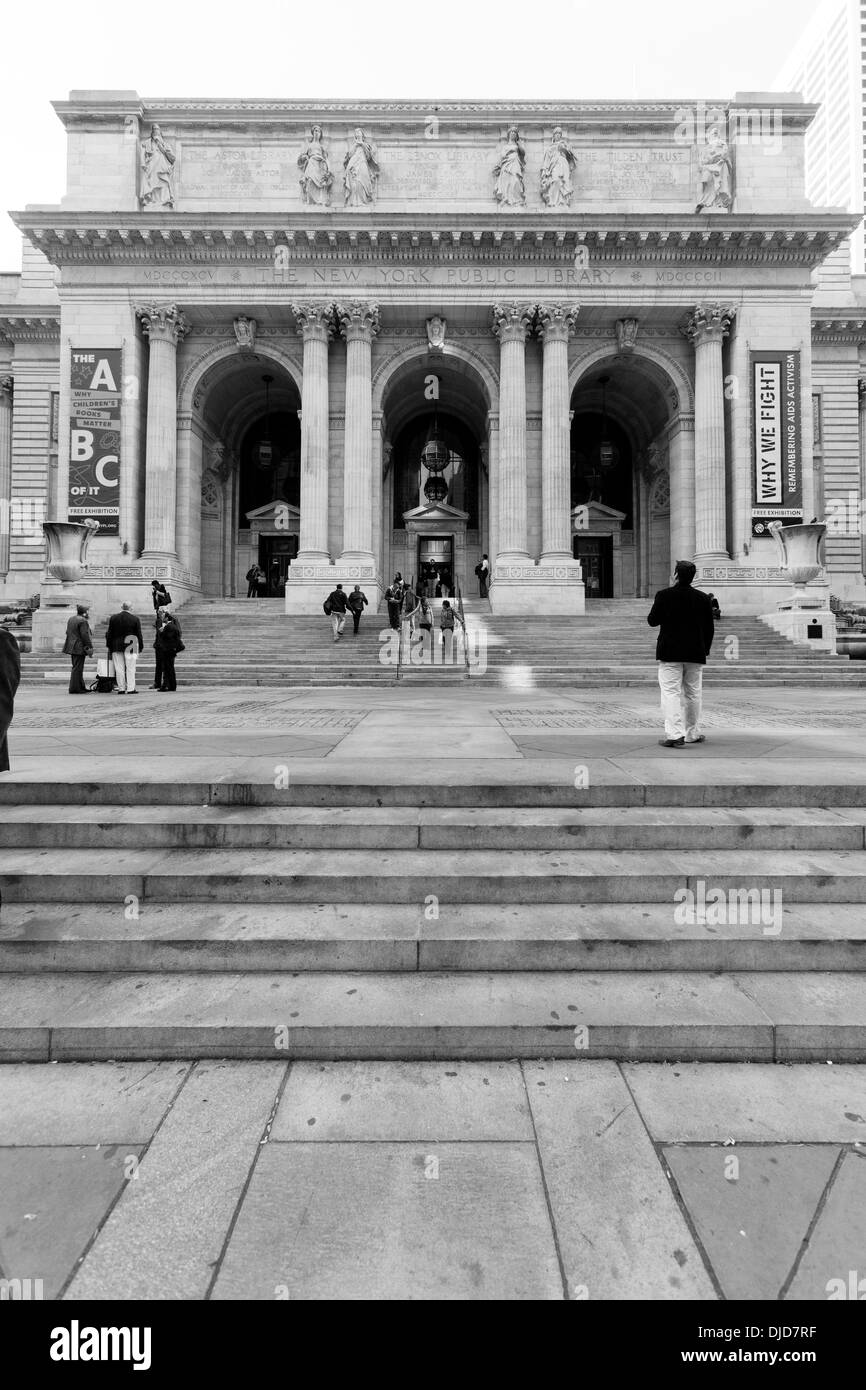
{"type": "Point", "coordinates": [685, 617]}
{"type": "Point", "coordinates": [124, 641]}
{"type": "Point", "coordinates": [337, 601]}
{"type": "Point", "coordinates": [357, 602]}
{"type": "Point", "coordinates": [78, 646]}
{"type": "Point", "coordinates": [168, 643]}
{"type": "Point", "coordinates": [10, 675]}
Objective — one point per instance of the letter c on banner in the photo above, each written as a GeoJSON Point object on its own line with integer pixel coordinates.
{"type": "Point", "coordinates": [100, 471]}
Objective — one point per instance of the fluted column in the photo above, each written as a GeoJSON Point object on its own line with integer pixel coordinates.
{"type": "Point", "coordinates": [316, 323]}
{"type": "Point", "coordinates": [556, 325]}
{"type": "Point", "coordinates": [707, 329]}
{"type": "Point", "coordinates": [6, 390]}
{"type": "Point", "coordinates": [819, 503]}
{"type": "Point", "coordinates": [358, 324]}
{"type": "Point", "coordinates": [511, 324]}
{"type": "Point", "coordinates": [164, 326]}
{"type": "Point", "coordinates": [682, 471]}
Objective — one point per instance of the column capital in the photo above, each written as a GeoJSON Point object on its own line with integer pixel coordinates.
{"type": "Point", "coordinates": [358, 321]}
{"type": "Point", "coordinates": [162, 322]}
{"type": "Point", "coordinates": [709, 323]}
{"type": "Point", "coordinates": [315, 321]}
{"type": "Point", "coordinates": [556, 322]}
{"type": "Point", "coordinates": [512, 322]}
{"type": "Point", "coordinates": [7, 389]}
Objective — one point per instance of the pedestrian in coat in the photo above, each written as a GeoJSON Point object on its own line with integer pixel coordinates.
{"type": "Point", "coordinates": [78, 646]}
{"type": "Point", "coordinates": [482, 570]}
{"type": "Point", "coordinates": [357, 602]}
{"type": "Point", "coordinates": [335, 606]}
{"type": "Point", "coordinates": [168, 643]}
{"type": "Point", "coordinates": [393, 604]}
{"type": "Point", "coordinates": [160, 595]}
{"type": "Point", "coordinates": [10, 675]}
{"type": "Point", "coordinates": [685, 617]}
{"type": "Point", "coordinates": [252, 578]}
{"type": "Point", "coordinates": [124, 641]}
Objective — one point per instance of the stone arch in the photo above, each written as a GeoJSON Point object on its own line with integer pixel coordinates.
{"type": "Point", "coordinates": [678, 378]}
{"type": "Point", "coordinates": [211, 357]}
{"type": "Point", "coordinates": [388, 369]}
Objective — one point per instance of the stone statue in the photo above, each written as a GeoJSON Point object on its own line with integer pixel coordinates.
{"type": "Point", "coordinates": [715, 180]}
{"type": "Point", "coordinates": [316, 177]}
{"type": "Point", "coordinates": [557, 188]}
{"type": "Point", "coordinates": [157, 172]}
{"type": "Point", "coordinates": [360, 171]}
{"type": "Point", "coordinates": [510, 188]}
{"type": "Point", "coordinates": [245, 332]}
{"type": "Point", "coordinates": [436, 333]}
{"type": "Point", "coordinates": [626, 334]}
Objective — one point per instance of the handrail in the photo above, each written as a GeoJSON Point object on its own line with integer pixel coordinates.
{"type": "Point", "coordinates": [463, 625]}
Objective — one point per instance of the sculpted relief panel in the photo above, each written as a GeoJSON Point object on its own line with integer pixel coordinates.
{"type": "Point", "coordinates": [512, 170]}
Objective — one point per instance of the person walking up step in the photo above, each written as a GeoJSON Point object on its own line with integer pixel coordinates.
{"type": "Point", "coordinates": [447, 619]}
{"type": "Point", "coordinates": [335, 606]}
{"type": "Point", "coordinates": [10, 676]}
{"type": "Point", "coordinates": [78, 646]}
{"type": "Point", "coordinates": [124, 641]}
{"type": "Point", "coordinates": [357, 602]}
{"type": "Point", "coordinates": [685, 618]}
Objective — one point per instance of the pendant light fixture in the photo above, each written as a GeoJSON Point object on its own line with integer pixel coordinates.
{"type": "Point", "coordinates": [608, 454]}
{"type": "Point", "coordinates": [265, 449]}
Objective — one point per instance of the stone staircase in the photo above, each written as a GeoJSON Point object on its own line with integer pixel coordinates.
{"type": "Point", "coordinates": [252, 642]}
{"type": "Point", "coordinates": [367, 916]}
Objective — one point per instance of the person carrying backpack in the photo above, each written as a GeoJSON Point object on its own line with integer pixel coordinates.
{"type": "Point", "coordinates": [357, 602]}
{"type": "Point", "coordinates": [335, 606]}
{"type": "Point", "coordinates": [447, 620]}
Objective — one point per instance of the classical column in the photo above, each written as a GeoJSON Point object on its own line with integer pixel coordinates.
{"type": "Point", "coordinates": [316, 323]}
{"type": "Point", "coordinates": [6, 390]}
{"type": "Point", "coordinates": [818, 502]}
{"type": "Point", "coordinates": [682, 466]}
{"type": "Point", "coordinates": [707, 328]}
{"type": "Point", "coordinates": [556, 325]}
{"type": "Point", "coordinates": [511, 324]}
{"type": "Point", "coordinates": [358, 324]}
{"type": "Point", "coordinates": [165, 326]}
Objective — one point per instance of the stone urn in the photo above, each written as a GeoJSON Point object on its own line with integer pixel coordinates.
{"type": "Point", "coordinates": [800, 551]}
{"type": "Point", "coordinates": [67, 549]}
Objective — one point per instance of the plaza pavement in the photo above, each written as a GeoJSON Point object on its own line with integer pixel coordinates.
{"type": "Point", "coordinates": [467, 1180]}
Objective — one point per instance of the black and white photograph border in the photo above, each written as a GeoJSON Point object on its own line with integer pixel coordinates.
{"type": "Point", "coordinates": [483, 475]}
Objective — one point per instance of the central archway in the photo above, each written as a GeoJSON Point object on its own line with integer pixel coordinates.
{"type": "Point", "coordinates": [435, 504]}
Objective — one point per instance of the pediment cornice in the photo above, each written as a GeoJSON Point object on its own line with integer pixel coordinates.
{"type": "Point", "coordinates": [69, 238]}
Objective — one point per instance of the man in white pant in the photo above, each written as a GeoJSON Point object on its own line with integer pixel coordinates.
{"type": "Point", "coordinates": [124, 641]}
{"type": "Point", "coordinates": [685, 617]}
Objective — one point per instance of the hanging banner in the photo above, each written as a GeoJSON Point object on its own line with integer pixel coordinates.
{"type": "Point", "coordinates": [94, 437]}
{"type": "Point", "coordinates": [776, 440]}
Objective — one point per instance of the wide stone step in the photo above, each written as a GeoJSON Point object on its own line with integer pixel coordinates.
{"type": "Point", "coordinates": [395, 937]}
{"type": "Point", "coordinates": [666, 1016]}
{"type": "Point", "coordinates": [464, 784]}
{"type": "Point", "coordinates": [423, 876]}
{"type": "Point", "coordinates": [106, 826]}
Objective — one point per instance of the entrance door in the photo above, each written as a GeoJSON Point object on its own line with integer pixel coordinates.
{"type": "Point", "coordinates": [275, 553]}
{"type": "Point", "coordinates": [595, 554]}
{"type": "Point", "coordinates": [436, 565]}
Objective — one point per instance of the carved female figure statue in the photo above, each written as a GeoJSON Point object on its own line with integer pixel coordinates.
{"type": "Point", "coordinates": [510, 189]}
{"type": "Point", "coordinates": [157, 172]}
{"type": "Point", "coordinates": [715, 179]}
{"type": "Point", "coordinates": [316, 177]}
{"type": "Point", "coordinates": [557, 188]}
{"type": "Point", "coordinates": [361, 171]}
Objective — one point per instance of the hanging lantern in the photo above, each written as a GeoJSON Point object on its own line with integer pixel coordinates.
{"type": "Point", "coordinates": [608, 453]}
{"type": "Point", "coordinates": [435, 489]}
{"type": "Point", "coordinates": [435, 456]}
{"type": "Point", "coordinates": [265, 449]}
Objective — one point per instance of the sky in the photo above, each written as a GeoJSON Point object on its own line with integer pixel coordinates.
{"type": "Point", "coordinates": [446, 49]}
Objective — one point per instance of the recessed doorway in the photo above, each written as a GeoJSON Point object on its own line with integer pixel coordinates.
{"type": "Point", "coordinates": [595, 554]}
{"type": "Point", "coordinates": [436, 565]}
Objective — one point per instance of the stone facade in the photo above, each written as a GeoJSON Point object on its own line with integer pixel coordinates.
{"type": "Point", "coordinates": [568, 299]}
